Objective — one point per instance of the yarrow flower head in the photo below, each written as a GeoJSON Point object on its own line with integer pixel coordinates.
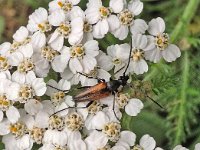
{"type": "Point", "coordinates": [62, 89]}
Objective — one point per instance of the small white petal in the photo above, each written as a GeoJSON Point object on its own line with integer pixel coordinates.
{"type": "Point", "coordinates": [156, 26]}
{"type": "Point", "coordinates": [57, 17]}
{"type": "Point", "coordinates": [41, 120]}
{"type": "Point", "coordinates": [56, 63]}
{"type": "Point", "coordinates": [134, 107]}
{"type": "Point", "coordinates": [89, 63]}
{"type": "Point", "coordinates": [116, 5]}
{"type": "Point", "coordinates": [24, 142]}
{"type": "Point", "coordinates": [33, 106]}
{"type": "Point", "coordinates": [113, 22]}
{"type": "Point", "coordinates": [147, 142]}
{"type": "Point", "coordinates": [4, 47]}
{"type": "Point", "coordinates": [91, 48]}
{"type": "Point", "coordinates": [139, 41]}
{"type": "Point", "coordinates": [96, 139]}
{"type": "Point", "coordinates": [38, 40]}
{"type": "Point", "coordinates": [56, 41]}
{"type": "Point", "coordinates": [139, 26]}
{"type": "Point", "coordinates": [19, 77]}
{"type": "Point", "coordinates": [197, 146]}
{"type": "Point", "coordinates": [128, 137]}
{"type": "Point", "coordinates": [135, 7]}
{"type": "Point", "coordinates": [138, 67]}
{"type": "Point", "coordinates": [15, 58]}
{"type": "Point", "coordinates": [4, 127]}
{"type": "Point", "coordinates": [12, 114]}
{"type": "Point", "coordinates": [1, 115]}
{"type": "Point", "coordinates": [39, 86]}
{"type": "Point", "coordinates": [153, 55]}
{"type": "Point", "coordinates": [121, 33]}
{"type": "Point", "coordinates": [100, 29]}
{"type": "Point", "coordinates": [75, 65]}
{"type": "Point", "coordinates": [171, 53]}
{"type": "Point", "coordinates": [21, 34]}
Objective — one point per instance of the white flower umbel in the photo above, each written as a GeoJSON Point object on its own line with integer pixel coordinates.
{"type": "Point", "coordinates": [66, 29]}
{"type": "Point", "coordinates": [132, 106]}
{"type": "Point", "coordinates": [140, 44]}
{"type": "Point", "coordinates": [126, 20]}
{"type": "Point", "coordinates": [80, 57]}
{"type": "Point", "coordinates": [101, 17]}
{"type": "Point", "coordinates": [38, 24]}
{"type": "Point", "coordinates": [163, 48]}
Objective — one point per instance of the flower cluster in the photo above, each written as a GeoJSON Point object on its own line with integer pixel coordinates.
{"type": "Point", "coordinates": [63, 40]}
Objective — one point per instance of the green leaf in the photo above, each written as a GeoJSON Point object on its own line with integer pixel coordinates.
{"type": "Point", "coordinates": [146, 122]}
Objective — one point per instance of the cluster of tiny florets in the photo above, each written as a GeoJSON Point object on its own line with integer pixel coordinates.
{"type": "Point", "coordinates": [63, 41]}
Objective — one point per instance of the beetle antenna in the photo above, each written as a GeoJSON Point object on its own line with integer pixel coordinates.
{"type": "Point", "coordinates": [156, 102]}
{"type": "Point", "coordinates": [58, 88]}
{"type": "Point", "coordinates": [129, 59]}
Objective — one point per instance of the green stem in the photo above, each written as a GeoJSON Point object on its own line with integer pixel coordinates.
{"type": "Point", "coordinates": [183, 98]}
{"type": "Point", "coordinates": [187, 16]}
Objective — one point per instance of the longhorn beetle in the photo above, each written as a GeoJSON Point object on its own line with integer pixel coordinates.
{"type": "Point", "coordinates": [104, 89]}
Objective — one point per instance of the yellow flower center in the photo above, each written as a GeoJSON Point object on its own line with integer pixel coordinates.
{"type": "Point", "coordinates": [56, 122]}
{"type": "Point", "coordinates": [77, 51]}
{"type": "Point", "coordinates": [126, 17]}
{"type": "Point", "coordinates": [64, 29]}
{"type": "Point", "coordinates": [44, 27]}
{"type": "Point", "coordinates": [162, 41]}
{"type": "Point", "coordinates": [4, 65]}
{"type": "Point", "coordinates": [112, 130]}
{"type": "Point", "coordinates": [4, 103]}
{"type": "Point", "coordinates": [18, 129]}
{"type": "Point", "coordinates": [49, 53]}
{"type": "Point", "coordinates": [74, 121]}
{"type": "Point", "coordinates": [105, 12]}
{"type": "Point", "coordinates": [26, 92]}
{"type": "Point", "coordinates": [137, 54]}
{"type": "Point", "coordinates": [25, 66]}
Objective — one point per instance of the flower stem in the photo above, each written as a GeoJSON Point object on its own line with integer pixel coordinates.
{"type": "Point", "coordinates": [183, 98]}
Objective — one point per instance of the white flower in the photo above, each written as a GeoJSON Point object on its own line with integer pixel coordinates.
{"type": "Point", "coordinates": [101, 16]}
{"type": "Point", "coordinates": [87, 27]}
{"type": "Point", "coordinates": [80, 57]}
{"type": "Point", "coordinates": [197, 146]}
{"type": "Point", "coordinates": [126, 19]}
{"type": "Point", "coordinates": [163, 48]}
{"type": "Point", "coordinates": [38, 24]}
{"type": "Point", "coordinates": [119, 55]}
{"type": "Point", "coordinates": [25, 91]}
{"type": "Point", "coordinates": [6, 105]}
{"type": "Point", "coordinates": [145, 143]}
{"type": "Point", "coordinates": [4, 48]}
{"type": "Point", "coordinates": [64, 5]}
{"type": "Point", "coordinates": [65, 29]}
{"type": "Point", "coordinates": [93, 142]}
{"type": "Point", "coordinates": [58, 91]}
{"type": "Point", "coordinates": [132, 106]}
{"type": "Point", "coordinates": [140, 44]}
